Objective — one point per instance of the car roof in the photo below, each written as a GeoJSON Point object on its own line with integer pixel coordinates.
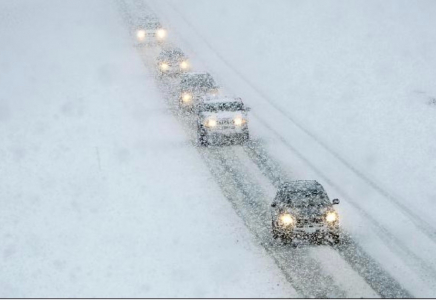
{"type": "Point", "coordinates": [192, 74]}
{"type": "Point", "coordinates": [171, 50]}
{"type": "Point", "coordinates": [301, 185]}
{"type": "Point", "coordinates": [220, 99]}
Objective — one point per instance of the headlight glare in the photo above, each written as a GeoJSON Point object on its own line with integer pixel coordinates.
{"type": "Point", "coordinates": [287, 219]}
{"type": "Point", "coordinates": [211, 123]}
{"type": "Point", "coordinates": [140, 34]}
{"type": "Point", "coordinates": [331, 217]}
{"type": "Point", "coordinates": [164, 66]}
{"type": "Point", "coordinates": [186, 97]}
{"type": "Point", "coordinates": [238, 121]}
{"type": "Point", "coordinates": [161, 33]}
{"type": "Point", "coordinates": [184, 65]}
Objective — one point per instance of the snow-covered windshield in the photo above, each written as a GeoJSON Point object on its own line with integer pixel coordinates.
{"type": "Point", "coordinates": [202, 81]}
{"type": "Point", "coordinates": [152, 25]}
{"type": "Point", "coordinates": [171, 55]}
{"type": "Point", "coordinates": [221, 106]}
{"type": "Point", "coordinates": [304, 198]}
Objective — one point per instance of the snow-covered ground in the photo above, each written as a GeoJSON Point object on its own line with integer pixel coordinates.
{"type": "Point", "coordinates": [101, 192]}
{"type": "Point", "coordinates": [104, 194]}
{"type": "Point", "coordinates": [341, 92]}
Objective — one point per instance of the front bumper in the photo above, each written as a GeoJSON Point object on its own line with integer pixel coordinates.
{"type": "Point", "coordinates": [172, 71]}
{"type": "Point", "coordinates": [306, 231]}
{"type": "Point", "coordinates": [225, 130]}
{"type": "Point", "coordinates": [150, 38]}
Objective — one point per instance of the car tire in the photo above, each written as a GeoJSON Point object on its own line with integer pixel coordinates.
{"type": "Point", "coordinates": [274, 231]}
{"type": "Point", "coordinates": [335, 237]}
{"type": "Point", "coordinates": [202, 137]}
{"type": "Point", "coordinates": [245, 137]}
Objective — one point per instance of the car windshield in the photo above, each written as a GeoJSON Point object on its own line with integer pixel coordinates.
{"type": "Point", "coordinates": [172, 55]}
{"type": "Point", "coordinates": [221, 106]}
{"type": "Point", "coordinates": [304, 198]}
{"type": "Point", "coordinates": [201, 81]}
{"type": "Point", "coordinates": [151, 25]}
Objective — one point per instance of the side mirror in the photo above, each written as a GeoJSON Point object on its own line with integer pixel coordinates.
{"type": "Point", "coordinates": [273, 204]}
{"type": "Point", "coordinates": [335, 201]}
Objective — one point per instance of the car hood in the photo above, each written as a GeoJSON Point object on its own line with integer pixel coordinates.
{"type": "Point", "coordinates": [223, 114]}
{"type": "Point", "coordinates": [309, 212]}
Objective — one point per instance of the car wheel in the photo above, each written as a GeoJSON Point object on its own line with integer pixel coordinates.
{"type": "Point", "coordinates": [286, 239]}
{"type": "Point", "coordinates": [245, 137]}
{"type": "Point", "coordinates": [202, 137]}
{"type": "Point", "coordinates": [336, 239]}
{"type": "Point", "coordinates": [274, 231]}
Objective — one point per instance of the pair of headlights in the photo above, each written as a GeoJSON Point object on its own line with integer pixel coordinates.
{"type": "Point", "coordinates": [238, 121]}
{"type": "Point", "coordinates": [183, 65]}
{"type": "Point", "coordinates": [160, 34]}
{"type": "Point", "coordinates": [288, 220]}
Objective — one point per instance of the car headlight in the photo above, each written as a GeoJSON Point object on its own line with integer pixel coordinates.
{"type": "Point", "coordinates": [331, 217]}
{"type": "Point", "coordinates": [164, 66]}
{"type": "Point", "coordinates": [286, 219]}
{"type": "Point", "coordinates": [184, 65]}
{"type": "Point", "coordinates": [239, 121]}
{"type": "Point", "coordinates": [161, 33]}
{"type": "Point", "coordinates": [211, 123]}
{"type": "Point", "coordinates": [140, 34]}
{"type": "Point", "coordinates": [186, 97]}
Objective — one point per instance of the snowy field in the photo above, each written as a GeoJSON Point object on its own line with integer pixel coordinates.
{"type": "Point", "coordinates": [104, 193]}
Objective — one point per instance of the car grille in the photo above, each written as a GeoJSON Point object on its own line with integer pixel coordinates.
{"type": "Point", "coordinates": [312, 222]}
{"type": "Point", "coordinates": [225, 122]}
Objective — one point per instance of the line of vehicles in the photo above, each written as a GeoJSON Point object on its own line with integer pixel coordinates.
{"type": "Point", "coordinates": [301, 209]}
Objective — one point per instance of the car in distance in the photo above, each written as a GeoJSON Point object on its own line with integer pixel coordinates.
{"type": "Point", "coordinates": [150, 31]}
{"type": "Point", "coordinates": [221, 116]}
{"type": "Point", "coordinates": [172, 61]}
{"type": "Point", "coordinates": [194, 85]}
{"type": "Point", "coordinates": [302, 210]}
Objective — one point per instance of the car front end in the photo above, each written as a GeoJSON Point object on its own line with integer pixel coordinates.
{"type": "Point", "coordinates": [150, 36]}
{"type": "Point", "coordinates": [294, 225]}
{"type": "Point", "coordinates": [221, 124]}
{"type": "Point", "coordinates": [189, 97]}
{"type": "Point", "coordinates": [169, 67]}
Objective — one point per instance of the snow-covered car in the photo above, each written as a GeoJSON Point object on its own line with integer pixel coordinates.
{"type": "Point", "coordinates": [194, 85]}
{"type": "Point", "coordinates": [172, 61]}
{"type": "Point", "coordinates": [150, 31]}
{"type": "Point", "coordinates": [219, 116]}
{"type": "Point", "coordinates": [302, 210]}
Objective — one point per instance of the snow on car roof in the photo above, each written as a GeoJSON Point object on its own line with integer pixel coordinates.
{"type": "Point", "coordinates": [189, 74]}
{"type": "Point", "coordinates": [301, 185]}
{"type": "Point", "coordinates": [220, 99]}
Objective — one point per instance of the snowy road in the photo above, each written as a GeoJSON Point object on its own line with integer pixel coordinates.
{"type": "Point", "coordinates": [246, 175]}
{"type": "Point", "coordinates": [380, 223]}
{"type": "Point", "coordinates": [105, 193]}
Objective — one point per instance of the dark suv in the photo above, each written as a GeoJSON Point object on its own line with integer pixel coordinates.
{"type": "Point", "coordinates": [302, 210]}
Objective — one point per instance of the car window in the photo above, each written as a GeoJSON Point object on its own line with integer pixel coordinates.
{"type": "Point", "coordinates": [198, 81]}
{"type": "Point", "coordinates": [221, 106]}
{"type": "Point", "coordinates": [304, 198]}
